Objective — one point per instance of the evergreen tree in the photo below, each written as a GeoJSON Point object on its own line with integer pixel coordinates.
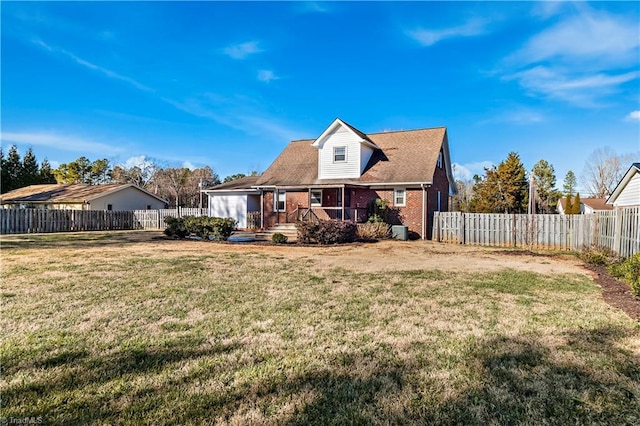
{"type": "Point", "coordinates": [544, 177]}
{"type": "Point", "coordinates": [13, 167]}
{"type": "Point", "coordinates": [576, 205]}
{"type": "Point", "coordinates": [46, 173]}
{"type": "Point", "coordinates": [4, 176]}
{"type": "Point", "coordinates": [504, 188]}
{"type": "Point", "coordinates": [569, 183]}
{"type": "Point", "coordinates": [568, 206]}
{"type": "Point", "coordinates": [29, 172]}
{"type": "Point", "coordinates": [100, 172]}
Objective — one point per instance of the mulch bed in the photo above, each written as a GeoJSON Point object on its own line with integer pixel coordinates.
{"type": "Point", "coordinates": [616, 293]}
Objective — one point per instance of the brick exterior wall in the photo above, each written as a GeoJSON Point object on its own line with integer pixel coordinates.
{"type": "Point", "coordinates": [409, 215]}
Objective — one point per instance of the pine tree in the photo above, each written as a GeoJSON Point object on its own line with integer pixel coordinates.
{"type": "Point", "coordinates": [29, 173]}
{"type": "Point", "coordinates": [545, 180]}
{"type": "Point", "coordinates": [13, 166]}
{"type": "Point", "coordinates": [569, 183]}
{"type": "Point", "coordinates": [4, 176]}
{"type": "Point", "coordinates": [504, 188]}
{"type": "Point", "coordinates": [46, 173]}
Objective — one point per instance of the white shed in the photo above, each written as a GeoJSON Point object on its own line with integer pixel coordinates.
{"type": "Point", "coordinates": [627, 193]}
{"type": "Point", "coordinates": [235, 199]}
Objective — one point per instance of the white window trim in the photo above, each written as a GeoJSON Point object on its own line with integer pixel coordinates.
{"type": "Point", "coordinates": [279, 196]}
{"type": "Point", "coordinates": [334, 154]}
{"type": "Point", "coordinates": [404, 197]}
{"type": "Point", "coordinates": [313, 204]}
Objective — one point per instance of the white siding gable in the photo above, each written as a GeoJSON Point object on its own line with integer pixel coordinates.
{"type": "Point", "coordinates": [357, 153]}
{"type": "Point", "coordinates": [630, 194]}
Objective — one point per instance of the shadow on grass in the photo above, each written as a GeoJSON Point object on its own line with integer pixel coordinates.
{"type": "Point", "coordinates": [587, 379]}
{"type": "Point", "coordinates": [86, 239]}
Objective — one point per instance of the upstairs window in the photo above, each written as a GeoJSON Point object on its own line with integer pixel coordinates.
{"type": "Point", "coordinates": [316, 197]}
{"type": "Point", "coordinates": [399, 197]}
{"type": "Point", "coordinates": [440, 160]}
{"type": "Point", "coordinates": [109, 207]}
{"type": "Point", "coordinates": [339, 154]}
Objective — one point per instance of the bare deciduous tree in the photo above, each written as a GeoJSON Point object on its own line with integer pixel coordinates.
{"type": "Point", "coordinates": [603, 170]}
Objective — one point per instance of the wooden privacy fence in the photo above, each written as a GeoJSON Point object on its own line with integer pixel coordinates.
{"type": "Point", "coordinates": [618, 230]}
{"type": "Point", "coordinates": [28, 221]}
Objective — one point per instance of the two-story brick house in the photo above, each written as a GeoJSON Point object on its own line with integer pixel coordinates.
{"type": "Point", "coordinates": [337, 176]}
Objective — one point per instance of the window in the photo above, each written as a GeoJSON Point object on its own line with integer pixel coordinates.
{"type": "Point", "coordinates": [339, 154]}
{"type": "Point", "coordinates": [316, 197]}
{"type": "Point", "coordinates": [109, 207]}
{"type": "Point", "coordinates": [280, 200]}
{"type": "Point", "coordinates": [399, 197]}
{"type": "Point", "coordinates": [440, 160]}
{"type": "Point", "coordinates": [439, 201]}
{"type": "Point", "coordinates": [148, 206]}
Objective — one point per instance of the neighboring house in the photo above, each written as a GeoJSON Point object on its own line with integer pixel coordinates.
{"type": "Point", "coordinates": [627, 193]}
{"type": "Point", "coordinates": [587, 205]}
{"type": "Point", "coordinates": [82, 197]}
{"type": "Point", "coordinates": [339, 174]}
{"type": "Point", "coordinates": [235, 199]}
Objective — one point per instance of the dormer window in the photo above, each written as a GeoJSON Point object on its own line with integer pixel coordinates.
{"type": "Point", "coordinates": [339, 154]}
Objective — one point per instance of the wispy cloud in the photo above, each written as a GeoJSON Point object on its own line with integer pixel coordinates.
{"type": "Point", "coordinates": [429, 37]}
{"type": "Point", "coordinates": [465, 172]}
{"type": "Point", "coordinates": [517, 115]}
{"type": "Point", "coordinates": [62, 142]}
{"type": "Point", "coordinates": [92, 66]}
{"type": "Point", "coordinates": [579, 59]}
{"type": "Point", "coordinates": [311, 7]}
{"type": "Point", "coordinates": [267, 76]}
{"type": "Point", "coordinates": [242, 50]}
{"type": "Point", "coordinates": [633, 116]}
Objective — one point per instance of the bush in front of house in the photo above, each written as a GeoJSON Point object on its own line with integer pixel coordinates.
{"type": "Point", "coordinates": [175, 227]}
{"type": "Point", "coordinates": [326, 232]}
{"type": "Point", "coordinates": [373, 231]}
{"type": "Point", "coordinates": [212, 228]}
{"type": "Point", "coordinates": [279, 238]}
{"type": "Point", "coordinates": [628, 271]}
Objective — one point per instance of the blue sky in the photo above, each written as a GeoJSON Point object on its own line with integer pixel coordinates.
{"type": "Point", "coordinates": [230, 84]}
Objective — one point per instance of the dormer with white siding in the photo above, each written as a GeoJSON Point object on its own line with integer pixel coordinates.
{"type": "Point", "coordinates": [343, 151]}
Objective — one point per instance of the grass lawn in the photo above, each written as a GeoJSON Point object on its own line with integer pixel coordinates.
{"type": "Point", "coordinates": [122, 328]}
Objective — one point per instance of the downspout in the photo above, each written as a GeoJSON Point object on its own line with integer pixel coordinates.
{"type": "Point", "coordinates": [261, 209]}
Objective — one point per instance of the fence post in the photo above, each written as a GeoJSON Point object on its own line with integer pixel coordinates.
{"type": "Point", "coordinates": [617, 233]}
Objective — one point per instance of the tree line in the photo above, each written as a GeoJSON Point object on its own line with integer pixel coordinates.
{"type": "Point", "coordinates": [505, 188]}
{"type": "Point", "coordinates": [179, 185]}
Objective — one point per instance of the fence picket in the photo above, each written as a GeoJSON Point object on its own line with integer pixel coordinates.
{"type": "Point", "coordinates": [618, 230]}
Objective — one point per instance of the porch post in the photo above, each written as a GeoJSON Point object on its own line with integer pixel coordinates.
{"type": "Point", "coordinates": [425, 212]}
{"type": "Point", "coordinates": [262, 209]}
{"type": "Point", "coordinates": [343, 203]}
{"type": "Point", "coordinates": [275, 204]}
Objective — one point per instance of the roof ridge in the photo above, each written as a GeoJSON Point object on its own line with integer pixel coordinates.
{"type": "Point", "coordinates": [409, 130]}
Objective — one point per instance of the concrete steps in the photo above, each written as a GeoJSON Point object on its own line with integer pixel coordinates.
{"type": "Point", "coordinates": [288, 229]}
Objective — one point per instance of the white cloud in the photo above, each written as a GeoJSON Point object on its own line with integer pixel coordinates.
{"type": "Point", "coordinates": [188, 165]}
{"type": "Point", "coordinates": [465, 172]}
{"type": "Point", "coordinates": [311, 7]}
{"type": "Point", "coordinates": [242, 50]}
{"type": "Point", "coordinates": [267, 76]}
{"type": "Point", "coordinates": [581, 59]}
{"type": "Point", "coordinates": [517, 115]}
{"type": "Point", "coordinates": [633, 116]}
{"type": "Point", "coordinates": [87, 64]}
{"type": "Point", "coordinates": [431, 37]}
{"type": "Point", "coordinates": [62, 142]}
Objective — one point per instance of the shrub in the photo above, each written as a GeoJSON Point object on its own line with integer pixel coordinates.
{"type": "Point", "coordinates": [175, 227]}
{"type": "Point", "coordinates": [378, 210]}
{"type": "Point", "coordinates": [629, 271]}
{"type": "Point", "coordinates": [372, 231]}
{"type": "Point", "coordinates": [326, 232]}
{"type": "Point", "coordinates": [279, 238]}
{"type": "Point", "coordinates": [600, 256]}
{"type": "Point", "coordinates": [213, 228]}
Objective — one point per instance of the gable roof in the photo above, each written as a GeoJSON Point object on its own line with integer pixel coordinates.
{"type": "Point", "coordinates": [594, 203]}
{"type": "Point", "coordinates": [241, 183]}
{"type": "Point", "coordinates": [407, 156]}
{"type": "Point", "coordinates": [635, 168]}
{"type": "Point", "coordinates": [66, 194]}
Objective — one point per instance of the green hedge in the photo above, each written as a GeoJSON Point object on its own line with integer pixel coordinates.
{"type": "Point", "coordinates": [212, 228]}
{"type": "Point", "coordinates": [629, 271]}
